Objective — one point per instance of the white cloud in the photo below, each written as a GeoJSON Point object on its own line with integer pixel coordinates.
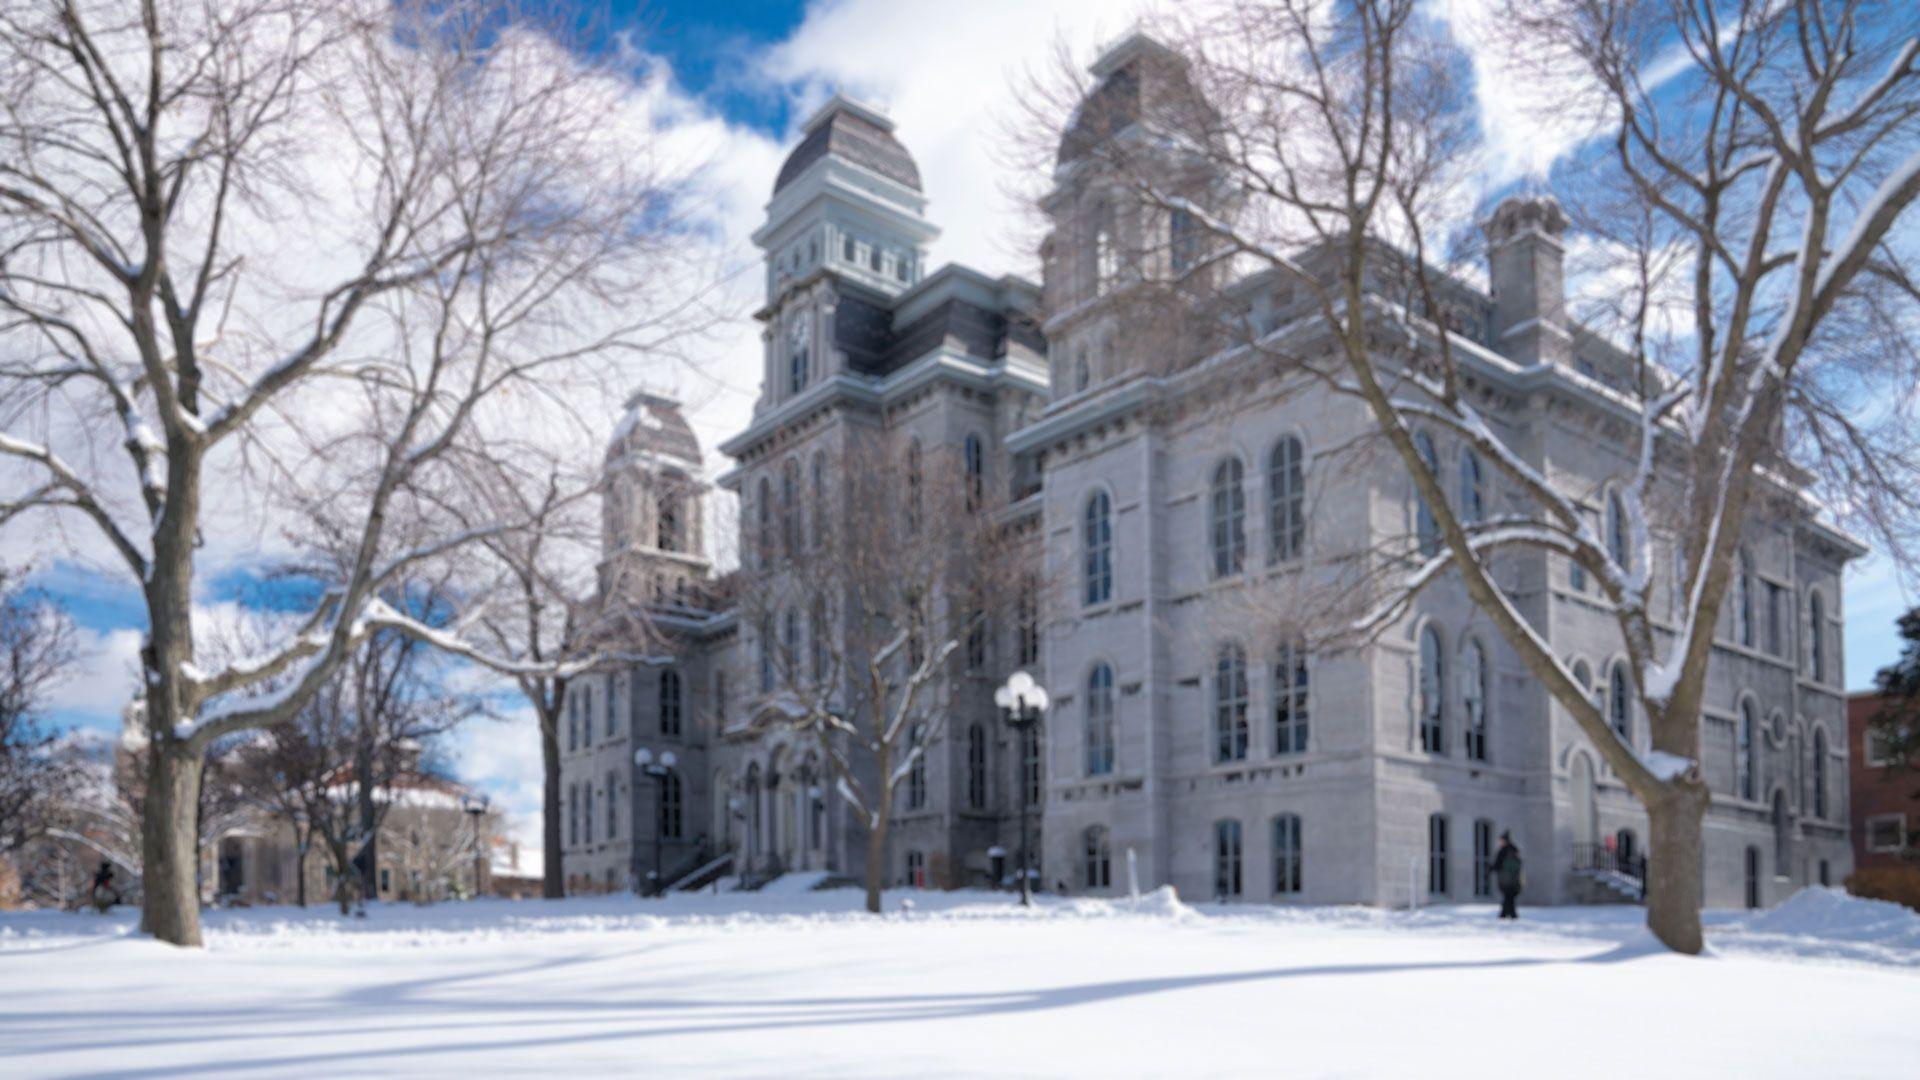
{"type": "Point", "coordinates": [502, 758]}
{"type": "Point", "coordinates": [104, 677]}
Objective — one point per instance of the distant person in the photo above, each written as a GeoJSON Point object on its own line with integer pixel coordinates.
{"type": "Point", "coordinates": [1506, 874]}
{"type": "Point", "coordinates": [104, 894]}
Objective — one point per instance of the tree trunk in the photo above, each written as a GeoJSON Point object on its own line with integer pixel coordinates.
{"type": "Point", "coordinates": [1674, 865]}
{"type": "Point", "coordinates": [300, 872]}
{"type": "Point", "coordinates": [552, 885]}
{"type": "Point", "coordinates": [876, 863]}
{"type": "Point", "coordinates": [169, 848]}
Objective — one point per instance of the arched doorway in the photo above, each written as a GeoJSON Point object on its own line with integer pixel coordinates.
{"type": "Point", "coordinates": [1586, 825]}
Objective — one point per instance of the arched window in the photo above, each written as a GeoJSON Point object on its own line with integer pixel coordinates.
{"type": "Point", "coordinates": [1096, 543]}
{"type": "Point", "coordinates": [573, 721]}
{"type": "Point", "coordinates": [670, 702]}
{"type": "Point", "coordinates": [667, 521]}
{"type": "Point", "coordinates": [1473, 700]}
{"type": "Point", "coordinates": [1817, 635]}
{"type": "Point", "coordinates": [1433, 693]}
{"type": "Point", "coordinates": [1183, 241]}
{"type": "Point", "coordinates": [819, 498]}
{"type": "Point", "coordinates": [1619, 544]}
{"type": "Point", "coordinates": [1290, 698]}
{"type": "Point", "coordinates": [764, 500]}
{"type": "Point", "coordinates": [1106, 249]}
{"type": "Point", "coordinates": [975, 459]}
{"type": "Point", "coordinates": [1227, 877]}
{"type": "Point", "coordinates": [1228, 516]}
{"type": "Point", "coordinates": [1230, 704]}
{"type": "Point", "coordinates": [790, 507]}
{"type": "Point", "coordinates": [1473, 501]}
{"type": "Point", "coordinates": [1286, 501]}
{"type": "Point", "coordinates": [1286, 854]}
{"type": "Point", "coordinates": [1747, 753]}
{"type": "Point", "coordinates": [1082, 370]}
{"type": "Point", "coordinates": [1819, 764]}
{"type": "Point", "coordinates": [1437, 870]}
{"type": "Point", "coordinates": [586, 813]}
{"type": "Point", "coordinates": [799, 367]}
{"type": "Point", "coordinates": [789, 643]}
{"type": "Point", "coordinates": [613, 806]}
{"type": "Point", "coordinates": [1782, 841]}
{"type": "Point", "coordinates": [1098, 850]}
{"type": "Point", "coordinates": [915, 508]}
{"type": "Point", "coordinates": [767, 648]}
{"type": "Point", "coordinates": [672, 816]}
{"type": "Point", "coordinates": [1100, 720]}
{"type": "Point", "coordinates": [1426, 527]}
{"type": "Point", "coordinates": [1743, 599]}
{"type": "Point", "coordinates": [1620, 703]}
{"type": "Point", "coordinates": [917, 771]}
{"type": "Point", "coordinates": [610, 709]}
{"type": "Point", "coordinates": [817, 630]}
{"type": "Point", "coordinates": [573, 813]}
{"type": "Point", "coordinates": [976, 767]}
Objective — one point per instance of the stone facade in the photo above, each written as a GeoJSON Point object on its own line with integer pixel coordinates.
{"type": "Point", "coordinates": [1185, 729]}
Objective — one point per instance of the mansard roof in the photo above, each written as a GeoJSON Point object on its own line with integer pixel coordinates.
{"type": "Point", "coordinates": [846, 129]}
{"type": "Point", "coordinates": [654, 427]}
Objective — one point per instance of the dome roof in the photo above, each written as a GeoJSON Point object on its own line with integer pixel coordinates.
{"type": "Point", "coordinates": [654, 427]}
{"type": "Point", "coordinates": [846, 129]}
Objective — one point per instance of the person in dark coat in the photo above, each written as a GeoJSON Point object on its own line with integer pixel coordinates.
{"type": "Point", "coordinates": [1506, 874]}
{"type": "Point", "coordinates": [104, 894]}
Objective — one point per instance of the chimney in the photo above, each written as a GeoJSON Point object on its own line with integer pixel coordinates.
{"type": "Point", "coordinates": [1524, 258]}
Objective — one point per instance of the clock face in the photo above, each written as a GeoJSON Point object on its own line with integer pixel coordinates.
{"type": "Point", "coordinates": [798, 331]}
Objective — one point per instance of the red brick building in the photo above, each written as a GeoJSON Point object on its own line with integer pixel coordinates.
{"type": "Point", "coordinates": [1884, 812]}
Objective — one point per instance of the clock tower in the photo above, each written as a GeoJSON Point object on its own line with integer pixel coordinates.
{"type": "Point", "coordinates": [846, 233]}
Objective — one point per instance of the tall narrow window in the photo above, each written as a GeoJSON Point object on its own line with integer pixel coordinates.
{"type": "Point", "coordinates": [1743, 599]}
{"type": "Point", "coordinates": [586, 711]}
{"type": "Point", "coordinates": [1098, 870]}
{"type": "Point", "coordinates": [573, 721]}
{"type": "Point", "coordinates": [667, 521]}
{"type": "Point", "coordinates": [1286, 854]}
{"type": "Point", "coordinates": [586, 813]}
{"type": "Point", "coordinates": [1228, 880]}
{"type": "Point", "coordinates": [1106, 250]}
{"type": "Point", "coordinates": [1473, 500]}
{"type": "Point", "coordinates": [763, 500]}
{"type": "Point", "coordinates": [916, 869]}
{"type": "Point", "coordinates": [1437, 870]}
{"type": "Point", "coordinates": [1027, 618]}
{"type": "Point", "coordinates": [1099, 719]}
{"type": "Point", "coordinates": [1433, 694]}
{"type": "Point", "coordinates": [670, 703]}
{"type": "Point", "coordinates": [1228, 514]}
{"type": "Point", "coordinates": [1620, 703]}
{"type": "Point", "coordinates": [1776, 638]}
{"type": "Point", "coordinates": [1183, 241]}
{"type": "Point", "coordinates": [975, 459]}
{"type": "Point", "coordinates": [1746, 752]}
{"type": "Point", "coordinates": [976, 767]}
{"type": "Point", "coordinates": [1817, 635]}
{"type": "Point", "coordinates": [573, 813]}
{"type": "Point", "coordinates": [1096, 542]}
{"type": "Point", "coordinates": [1230, 704]}
{"type": "Point", "coordinates": [1286, 501]}
{"type": "Point", "coordinates": [671, 816]}
{"type": "Point", "coordinates": [1426, 527]}
{"type": "Point", "coordinates": [1290, 698]}
{"type": "Point", "coordinates": [720, 698]}
{"type": "Point", "coordinates": [1082, 370]}
{"type": "Point", "coordinates": [789, 644]}
{"type": "Point", "coordinates": [799, 355]}
{"type": "Point", "coordinates": [790, 507]}
{"type": "Point", "coordinates": [610, 711]}
{"type": "Point", "coordinates": [613, 805]}
{"type": "Point", "coordinates": [916, 628]}
{"type": "Point", "coordinates": [819, 498]}
{"type": "Point", "coordinates": [1483, 857]}
{"type": "Point", "coordinates": [1619, 542]}
{"type": "Point", "coordinates": [1473, 700]}
{"type": "Point", "coordinates": [818, 631]}
{"type": "Point", "coordinates": [917, 769]}
{"type": "Point", "coordinates": [915, 508]}
{"type": "Point", "coordinates": [1819, 764]}
{"type": "Point", "coordinates": [767, 648]}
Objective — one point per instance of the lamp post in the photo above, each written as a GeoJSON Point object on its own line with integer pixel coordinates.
{"type": "Point", "coordinates": [1022, 702]}
{"type": "Point", "coordinates": [657, 771]}
{"type": "Point", "coordinates": [476, 808]}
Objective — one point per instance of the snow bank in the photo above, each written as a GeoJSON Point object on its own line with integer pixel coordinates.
{"type": "Point", "coordinates": [1832, 915]}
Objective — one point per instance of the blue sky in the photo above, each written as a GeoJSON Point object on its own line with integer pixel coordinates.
{"type": "Point", "coordinates": [744, 74]}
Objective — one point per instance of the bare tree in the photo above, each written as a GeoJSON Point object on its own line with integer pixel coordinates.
{"type": "Point", "coordinates": [273, 257]}
{"type": "Point", "coordinates": [37, 774]}
{"type": "Point", "coordinates": [1332, 149]}
{"type": "Point", "coordinates": [864, 623]}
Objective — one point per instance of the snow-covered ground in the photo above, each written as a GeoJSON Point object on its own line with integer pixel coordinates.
{"type": "Point", "coordinates": [960, 984]}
